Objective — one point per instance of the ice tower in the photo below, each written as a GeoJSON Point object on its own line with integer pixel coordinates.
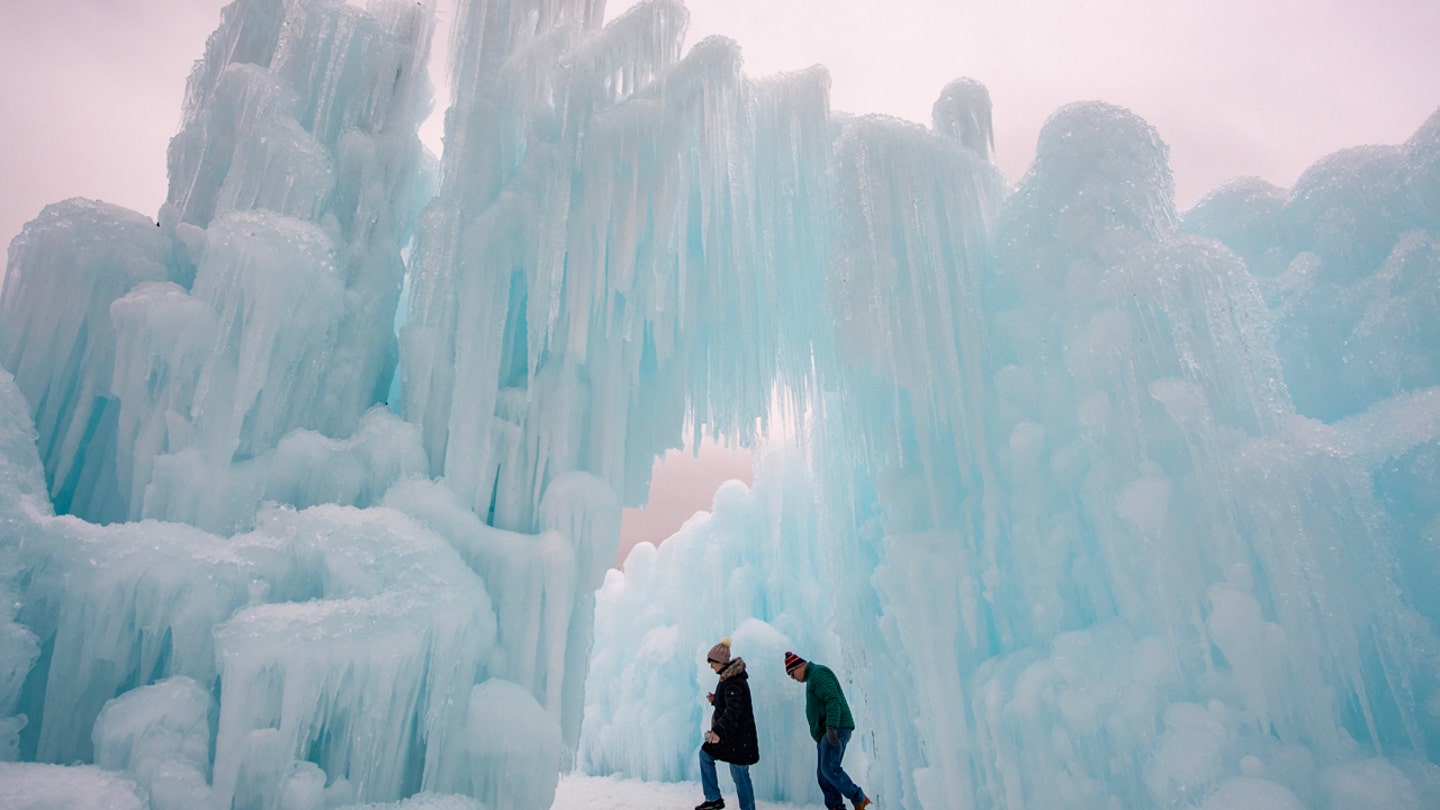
{"type": "Point", "coordinates": [247, 532]}
{"type": "Point", "coordinates": [1095, 504]}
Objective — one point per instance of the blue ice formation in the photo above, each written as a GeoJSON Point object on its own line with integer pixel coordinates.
{"type": "Point", "coordinates": [1097, 503]}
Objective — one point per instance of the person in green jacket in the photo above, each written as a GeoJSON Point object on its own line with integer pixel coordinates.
{"type": "Point", "coordinates": [830, 726]}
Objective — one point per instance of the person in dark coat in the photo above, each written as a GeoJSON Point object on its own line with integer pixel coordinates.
{"type": "Point", "coordinates": [731, 737]}
{"type": "Point", "coordinates": [831, 725]}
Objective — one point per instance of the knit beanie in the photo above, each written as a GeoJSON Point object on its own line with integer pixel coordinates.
{"type": "Point", "coordinates": [720, 653]}
{"type": "Point", "coordinates": [792, 660]}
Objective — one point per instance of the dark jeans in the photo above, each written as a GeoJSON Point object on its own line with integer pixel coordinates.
{"type": "Point", "coordinates": [711, 784]}
{"type": "Point", "coordinates": [834, 782]}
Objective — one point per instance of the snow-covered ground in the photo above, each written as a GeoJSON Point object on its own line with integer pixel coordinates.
{"type": "Point", "coordinates": [36, 786]}
{"type": "Point", "coordinates": [579, 792]}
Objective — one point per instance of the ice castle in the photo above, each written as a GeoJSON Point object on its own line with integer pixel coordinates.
{"type": "Point", "coordinates": [310, 485]}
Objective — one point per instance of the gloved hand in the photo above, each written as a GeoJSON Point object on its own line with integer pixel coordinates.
{"type": "Point", "coordinates": [832, 736]}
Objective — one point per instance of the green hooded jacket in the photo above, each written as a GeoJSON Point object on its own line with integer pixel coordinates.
{"type": "Point", "coordinates": [825, 704]}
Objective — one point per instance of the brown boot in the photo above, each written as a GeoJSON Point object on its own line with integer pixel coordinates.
{"type": "Point", "coordinates": [863, 803]}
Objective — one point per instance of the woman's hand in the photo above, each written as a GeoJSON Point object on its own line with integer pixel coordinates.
{"type": "Point", "coordinates": [712, 737]}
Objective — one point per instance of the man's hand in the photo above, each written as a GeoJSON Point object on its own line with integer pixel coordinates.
{"type": "Point", "coordinates": [712, 737]}
{"type": "Point", "coordinates": [832, 736]}
{"type": "Point", "coordinates": [710, 696]}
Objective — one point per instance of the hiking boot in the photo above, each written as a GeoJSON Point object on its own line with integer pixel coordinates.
{"type": "Point", "coordinates": [715, 805]}
{"type": "Point", "coordinates": [862, 804]}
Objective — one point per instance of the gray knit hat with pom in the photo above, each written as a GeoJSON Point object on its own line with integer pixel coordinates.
{"type": "Point", "coordinates": [720, 653]}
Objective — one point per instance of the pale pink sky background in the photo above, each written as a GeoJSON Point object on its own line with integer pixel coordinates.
{"type": "Point", "coordinates": [90, 90]}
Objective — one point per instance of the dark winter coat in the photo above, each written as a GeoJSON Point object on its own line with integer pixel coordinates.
{"type": "Point", "coordinates": [825, 705]}
{"type": "Point", "coordinates": [734, 718]}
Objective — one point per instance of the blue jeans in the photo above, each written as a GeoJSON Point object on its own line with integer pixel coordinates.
{"type": "Point", "coordinates": [745, 792]}
{"type": "Point", "coordinates": [834, 782]}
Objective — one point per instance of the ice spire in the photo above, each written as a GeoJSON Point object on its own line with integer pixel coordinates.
{"type": "Point", "coordinates": [293, 173]}
{"type": "Point", "coordinates": [963, 112]}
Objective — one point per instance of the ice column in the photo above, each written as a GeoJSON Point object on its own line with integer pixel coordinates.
{"type": "Point", "coordinates": [56, 335]}
{"type": "Point", "coordinates": [1116, 519]}
{"type": "Point", "coordinates": [309, 151]}
{"type": "Point", "coordinates": [904, 292]}
{"type": "Point", "coordinates": [295, 182]}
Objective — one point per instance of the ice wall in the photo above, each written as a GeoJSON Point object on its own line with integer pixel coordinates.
{"type": "Point", "coordinates": [275, 268]}
{"type": "Point", "coordinates": [254, 595]}
{"type": "Point", "coordinates": [1083, 546]}
{"type": "Point", "coordinates": [23, 480]}
{"type": "Point", "coordinates": [1101, 504]}
{"type": "Point", "coordinates": [319, 656]}
{"type": "Point", "coordinates": [1140, 528]}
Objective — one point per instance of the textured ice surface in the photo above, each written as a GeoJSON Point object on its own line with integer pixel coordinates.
{"type": "Point", "coordinates": [218, 381]}
{"type": "Point", "coordinates": [33, 786]}
{"type": "Point", "coordinates": [161, 734]}
{"type": "Point", "coordinates": [1096, 504]}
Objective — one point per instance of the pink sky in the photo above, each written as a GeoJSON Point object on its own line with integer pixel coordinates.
{"type": "Point", "coordinates": [681, 485]}
{"type": "Point", "coordinates": [91, 90]}
{"type": "Point", "coordinates": [1235, 87]}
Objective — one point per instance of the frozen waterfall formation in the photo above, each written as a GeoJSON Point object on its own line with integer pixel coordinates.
{"type": "Point", "coordinates": [1101, 506]}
